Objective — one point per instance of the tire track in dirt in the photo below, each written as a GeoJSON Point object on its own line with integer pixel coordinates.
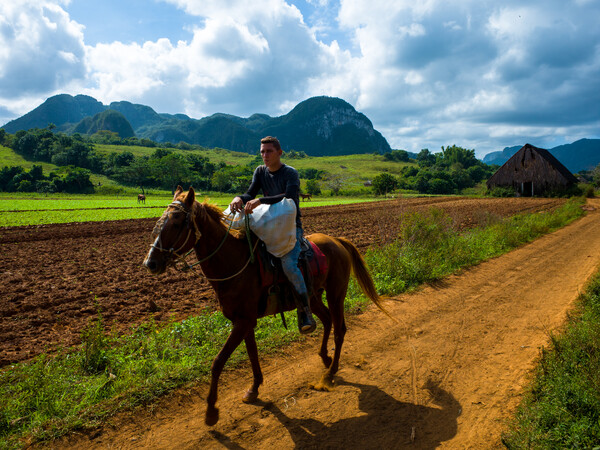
{"type": "Point", "coordinates": [469, 341]}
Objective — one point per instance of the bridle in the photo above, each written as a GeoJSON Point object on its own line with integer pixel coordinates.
{"type": "Point", "coordinates": [189, 218]}
{"type": "Point", "coordinates": [157, 244]}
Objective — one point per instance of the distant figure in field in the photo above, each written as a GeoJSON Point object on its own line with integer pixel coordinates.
{"type": "Point", "coordinates": [306, 197]}
{"type": "Point", "coordinates": [141, 198]}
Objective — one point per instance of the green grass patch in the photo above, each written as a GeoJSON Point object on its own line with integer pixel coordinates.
{"type": "Point", "coordinates": [18, 209]}
{"type": "Point", "coordinates": [561, 408]}
{"type": "Point", "coordinates": [429, 248]}
{"type": "Point", "coordinates": [78, 388]}
{"type": "Point", "coordinates": [50, 396]}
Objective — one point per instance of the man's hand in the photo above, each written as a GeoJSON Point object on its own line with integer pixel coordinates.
{"type": "Point", "coordinates": [236, 205]}
{"type": "Point", "coordinates": [249, 207]}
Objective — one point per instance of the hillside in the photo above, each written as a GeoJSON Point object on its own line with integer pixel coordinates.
{"type": "Point", "coordinates": [318, 126]}
{"type": "Point", "coordinates": [60, 110]}
{"type": "Point", "coordinates": [109, 120]}
{"type": "Point", "coordinates": [583, 154]}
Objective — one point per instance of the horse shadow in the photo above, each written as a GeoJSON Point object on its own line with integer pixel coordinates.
{"type": "Point", "coordinates": [385, 422]}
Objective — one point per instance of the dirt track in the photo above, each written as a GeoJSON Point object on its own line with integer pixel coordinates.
{"type": "Point", "coordinates": [448, 376]}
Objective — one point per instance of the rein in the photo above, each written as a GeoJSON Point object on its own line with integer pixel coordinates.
{"type": "Point", "coordinates": [182, 258]}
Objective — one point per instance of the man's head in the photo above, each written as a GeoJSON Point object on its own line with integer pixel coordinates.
{"type": "Point", "coordinates": [270, 151]}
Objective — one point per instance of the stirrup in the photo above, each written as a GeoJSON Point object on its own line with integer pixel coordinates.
{"type": "Point", "coordinates": [306, 322]}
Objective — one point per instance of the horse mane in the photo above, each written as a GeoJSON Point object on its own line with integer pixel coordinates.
{"type": "Point", "coordinates": [217, 215]}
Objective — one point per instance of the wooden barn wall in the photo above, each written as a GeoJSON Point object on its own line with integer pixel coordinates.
{"type": "Point", "coordinates": [528, 166]}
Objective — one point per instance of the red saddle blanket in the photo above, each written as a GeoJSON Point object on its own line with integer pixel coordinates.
{"type": "Point", "coordinates": [317, 265]}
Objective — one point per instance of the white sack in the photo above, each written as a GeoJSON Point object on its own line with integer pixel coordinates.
{"type": "Point", "coordinates": [274, 224]}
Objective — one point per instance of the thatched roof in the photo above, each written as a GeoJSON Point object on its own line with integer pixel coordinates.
{"type": "Point", "coordinates": [513, 170]}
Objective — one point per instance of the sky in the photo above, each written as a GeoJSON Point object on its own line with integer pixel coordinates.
{"type": "Point", "coordinates": [480, 74]}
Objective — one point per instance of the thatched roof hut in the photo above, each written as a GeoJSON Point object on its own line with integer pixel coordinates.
{"type": "Point", "coordinates": [532, 171]}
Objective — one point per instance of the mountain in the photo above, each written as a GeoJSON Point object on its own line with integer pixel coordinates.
{"type": "Point", "coordinates": [59, 110]}
{"type": "Point", "coordinates": [110, 120]}
{"type": "Point", "coordinates": [583, 154]}
{"type": "Point", "coordinates": [318, 126]}
{"type": "Point", "coordinates": [501, 157]}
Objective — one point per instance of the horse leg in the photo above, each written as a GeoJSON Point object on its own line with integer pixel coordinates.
{"type": "Point", "coordinates": [239, 331]}
{"type": "Point", "coordinates": [322, 312]}
{"type": "Point", "coordinates": [339, 331]}
{"type": "Point", "coordinates": [251, 394]}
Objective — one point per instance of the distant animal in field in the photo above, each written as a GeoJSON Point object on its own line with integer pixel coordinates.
{"type": "Point", "coordinates": [306, 197]}
{"type": "Point", "coordinates": [141, 198]}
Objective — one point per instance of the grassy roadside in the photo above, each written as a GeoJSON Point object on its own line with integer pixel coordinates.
{"type": "Point", "coordinates": [561, 408]}
{"type": "Point", "coordinates": [79, 388]}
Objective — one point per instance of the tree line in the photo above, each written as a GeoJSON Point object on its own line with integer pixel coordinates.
{"type": "Point", "coordinates": [450, 171]}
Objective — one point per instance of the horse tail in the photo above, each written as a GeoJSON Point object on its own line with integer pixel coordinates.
{"type": "Point", "coordinates": [362, 275]}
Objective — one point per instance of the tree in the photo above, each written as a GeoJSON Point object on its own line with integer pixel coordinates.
{"type": "Point", "coordinates": [453, 155]}
{"type": "Point", "coordinates": [312, 187]}
{"type": "Point", "coordinates": [425, 158]}
{"type": "Point", "coordinates": [171, 170]}
{"type": "Point", "coordinates": [396, 155]}
{"type": "Point", "coordinates": [77, 180]}
{"type": "Point", "coordinates": [384, 183]}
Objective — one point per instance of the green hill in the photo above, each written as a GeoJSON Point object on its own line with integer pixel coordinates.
{"type": "Point", "coordinates": [59, 110]}
{"type": "Point", "coordinates": [318, 126]}
{"type": "Point", "coordinates": [110, 120]}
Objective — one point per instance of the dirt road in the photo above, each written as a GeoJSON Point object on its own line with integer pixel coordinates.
{"type": "Point", "coordinates": [448, 376]}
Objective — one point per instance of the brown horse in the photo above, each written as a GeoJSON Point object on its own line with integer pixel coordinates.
{"type": "Point", "coordinates": [225, 260]}
{"type": "Point", "coordinates": [306, 197]}
{"type": "Point", "coordinates": [141, 198]}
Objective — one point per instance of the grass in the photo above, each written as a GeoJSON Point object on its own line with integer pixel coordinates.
{"type": "Point", "coordinates": [79, 388]}
{"type": "Point", "coordinates": [561, 408]}
{"type": "Point", "coordinates": [429, 248]}
{"type": "Point", "coordinates": [215, 155]}
{"type": "Point", "coordinates": [17, 209]}
{"type": "Point", "coordinates": [358, 167]}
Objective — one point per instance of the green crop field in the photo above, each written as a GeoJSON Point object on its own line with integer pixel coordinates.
{"type": "Point", "coordinates": [32, 209]}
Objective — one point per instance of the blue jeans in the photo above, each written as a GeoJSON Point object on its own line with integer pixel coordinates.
{"type": "Point", "coordinates": [289, 262]}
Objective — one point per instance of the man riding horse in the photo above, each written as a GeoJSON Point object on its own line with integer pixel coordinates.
{"type": "Point", "coordinates": [278, 181]}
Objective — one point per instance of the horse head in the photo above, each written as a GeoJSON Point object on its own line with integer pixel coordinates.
{"type": "Point", "coordinates": [175, 233]}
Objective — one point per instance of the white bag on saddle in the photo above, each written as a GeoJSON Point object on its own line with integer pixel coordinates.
{"type": "Point", "coordinates": [274, 224]}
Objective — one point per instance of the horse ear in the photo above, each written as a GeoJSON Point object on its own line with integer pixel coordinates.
{"type": "Point", "coordinates": [178, 191]}
{"type": "Point", "coordinates": [190, 197]}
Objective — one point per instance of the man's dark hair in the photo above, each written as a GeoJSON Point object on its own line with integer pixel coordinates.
{"type": "Point", "coordinates": [271, 140]}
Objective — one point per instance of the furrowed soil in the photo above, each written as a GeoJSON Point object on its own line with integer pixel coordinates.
{"type": "Point", "coordinates": [447, 375]}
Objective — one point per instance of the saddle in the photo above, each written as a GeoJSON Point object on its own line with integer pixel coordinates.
{"type": "Point", "coordinates": [277, 293]}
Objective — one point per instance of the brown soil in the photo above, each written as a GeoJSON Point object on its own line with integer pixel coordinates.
{"type": "Point", "coordinates": [447, 375]}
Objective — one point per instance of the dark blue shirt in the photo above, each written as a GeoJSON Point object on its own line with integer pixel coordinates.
{"type": "Point", "coordinates": [275, 186]}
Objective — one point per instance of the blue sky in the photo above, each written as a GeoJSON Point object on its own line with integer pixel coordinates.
{"type": "Point", "coordinates": [476, 73]}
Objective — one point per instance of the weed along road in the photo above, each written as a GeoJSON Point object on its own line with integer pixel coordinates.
{"type": "Point", "coordinates": [447, 375]}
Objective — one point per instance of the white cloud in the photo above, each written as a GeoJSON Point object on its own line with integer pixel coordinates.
{"type": "Point", "coordinates": [427, 73]}
{"type": "Point", "coordinates": [40, 48]}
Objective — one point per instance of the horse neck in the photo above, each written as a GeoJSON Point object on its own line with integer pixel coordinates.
{"type": "Point", "coordinates": [213, 234]}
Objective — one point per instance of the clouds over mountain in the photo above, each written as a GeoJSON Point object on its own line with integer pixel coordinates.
{"type": "Point", "coordinates": [477, 73]}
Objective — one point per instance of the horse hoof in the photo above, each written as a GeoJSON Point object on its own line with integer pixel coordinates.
{"type": "Point", "coordinates": [325, 384]}
{"type": "Point", "coordinates": [250, 396]}
{"type": "Point", "coordinates": [212, 416]}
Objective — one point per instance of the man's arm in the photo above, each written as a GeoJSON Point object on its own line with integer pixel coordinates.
{"type": "Point", "coordinates": [239, 202]}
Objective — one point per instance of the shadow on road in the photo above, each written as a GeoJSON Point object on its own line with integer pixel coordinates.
{"type": "Point", "coordinates": [386, 423]}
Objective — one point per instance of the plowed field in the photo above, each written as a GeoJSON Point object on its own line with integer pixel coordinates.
{"type": "Point", "coordinates": [53, 278]}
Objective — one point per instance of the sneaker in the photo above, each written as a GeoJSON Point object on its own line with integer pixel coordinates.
{"type": "Point", "coordinates": [306, 323]}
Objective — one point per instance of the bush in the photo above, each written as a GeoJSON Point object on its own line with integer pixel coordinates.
{"type": "Point", "coordinates": [384, 183]}
{"type": "Point", "coordinates": [500, 191]}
